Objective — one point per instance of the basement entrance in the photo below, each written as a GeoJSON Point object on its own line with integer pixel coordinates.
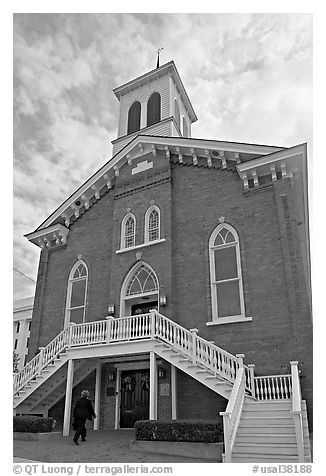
{"type": "Point", "coordinates": [134, 397]}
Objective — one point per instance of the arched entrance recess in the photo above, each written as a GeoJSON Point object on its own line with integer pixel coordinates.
{"type": "Point", "coordinates": [140, 291]}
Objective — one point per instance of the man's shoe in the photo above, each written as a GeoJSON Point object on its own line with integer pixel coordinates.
{"type": "Point", "coordinates": [84, 439]}
{"type": "Point", "coordinates": [76, 442]}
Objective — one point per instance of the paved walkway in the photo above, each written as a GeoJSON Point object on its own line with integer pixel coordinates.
{"type": "Point", "coordinates": [112, 446]}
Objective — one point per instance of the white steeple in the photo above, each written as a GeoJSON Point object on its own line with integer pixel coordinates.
{"type": "Point", "coordinates": [154, 104]}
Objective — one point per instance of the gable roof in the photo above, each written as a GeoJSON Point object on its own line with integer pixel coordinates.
{"type": "Point", "coordinates": [135, 148]}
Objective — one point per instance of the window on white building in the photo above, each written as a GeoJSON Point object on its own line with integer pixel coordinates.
{"type": "Point", "coordinates": [134, 117]}
{"type": "Point", "coordinates": [76, 293]}
{"type": "Point", "coordinates": [226, 275]}
{"type": "Point", "coordinates": [154, 109]}
{"type": "Point", "coordinates": [128, 231]}
{"type": "Point", "coordinates": [152, 224]}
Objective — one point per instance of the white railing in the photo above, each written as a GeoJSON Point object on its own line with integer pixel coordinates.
{"type": "Point", "coordinates": [41, 360]}
{"type": "Point", "coordinates": [297, 410]}
{"type": "Point", "coordinates": [201, 351]}
{"type": "Point", "coordinates": [232, 414]}
{"type": "Point", "coordinates": [144, 326]}
{"type": "Point", "coordinates": [273, 387]}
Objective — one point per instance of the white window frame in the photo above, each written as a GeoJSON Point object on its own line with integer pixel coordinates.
{"type": "Point", "coordinates": [71, 281]}
{"type": "Point", "coordinates": [147, 215]}
{"type": "Point", "coordinates": [123, 232]}
{"type": "Point", "coordinates": [212, 247]}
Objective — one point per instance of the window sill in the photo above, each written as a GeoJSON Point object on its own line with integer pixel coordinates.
{"type": "Point", "coordinates": [228, 320]}
{"type": "Point", "coordinates": [143, 245]}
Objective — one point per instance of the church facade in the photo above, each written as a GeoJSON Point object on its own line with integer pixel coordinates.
{"type": "Point", "coordinates": [176, 264]}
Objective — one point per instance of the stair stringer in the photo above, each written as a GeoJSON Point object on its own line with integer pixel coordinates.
{"type": "Point", "coordinates": [197, 371]}
{"type": "Point", "coordinates": [53, 394]}
{"type": "Point", "coordinates": [39, 379]}
{"type": "Point", "coordinates": [266, 433]}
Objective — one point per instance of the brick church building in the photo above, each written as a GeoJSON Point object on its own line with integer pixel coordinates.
{"type": "Point", "coordinates": [175, 284]}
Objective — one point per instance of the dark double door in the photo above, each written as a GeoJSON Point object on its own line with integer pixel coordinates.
{"type": "Point", "coordinates": [134, 403]}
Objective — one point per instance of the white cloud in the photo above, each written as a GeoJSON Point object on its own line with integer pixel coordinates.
{"type": "Point", "coordinates": [248, 77]}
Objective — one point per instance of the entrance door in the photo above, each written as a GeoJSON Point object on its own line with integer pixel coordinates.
{"type": "Point", "coordinates": [134, 397]}
{"type": "Point", "coordinates": [143, 307]}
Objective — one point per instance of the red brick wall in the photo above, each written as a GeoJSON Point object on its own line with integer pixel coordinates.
{"type": "Point", "coordinates": [191, 200]}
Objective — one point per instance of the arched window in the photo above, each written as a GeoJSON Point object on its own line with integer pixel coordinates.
{"type": "Point", "coordinates": [154, 109]}
{"type": "Point", "coordinates": [76, 293]}
{"type": "Point", "coordinates": [152, 224]}
{"type": "Point", "coordinates": [134, 117]}
{"type": "Point", "coordinates": [184, 127]}
{"type": "Point", "coordinates": [225, 271]}
{"type": "Point", "coordinates": [177, 113]}
{"type": "Point", "coordinates": [144, 281]}
{"type": "Point", "coordinates": [128, 231]}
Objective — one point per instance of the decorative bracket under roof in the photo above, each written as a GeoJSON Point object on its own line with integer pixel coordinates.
{"type": "Point", "coordinates": [52, 237]}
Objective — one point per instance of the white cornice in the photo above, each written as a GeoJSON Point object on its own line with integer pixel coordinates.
{"type": "Point", "coordinates": [52, 236]}
{"type": "Point", "coordinates": [106, 175]}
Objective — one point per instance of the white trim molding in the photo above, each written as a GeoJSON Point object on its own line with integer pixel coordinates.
{"type": "Point", "coordinates": [143, 245]}
{"type": "Point", "coordinates": [71, 281]}
{"type": "Point", "coordinates": [147, 224]}
{"type": "Point", "coordinates": [228, 240]}
{"type": "Point", "coordinates": [123, 232]}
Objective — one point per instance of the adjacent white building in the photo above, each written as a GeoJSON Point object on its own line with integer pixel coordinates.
{"type": "Point", "coordinates": [23, 310]}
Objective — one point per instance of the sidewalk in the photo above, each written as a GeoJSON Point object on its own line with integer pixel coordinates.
{"type": "Point", "coordinates": [111, 446]}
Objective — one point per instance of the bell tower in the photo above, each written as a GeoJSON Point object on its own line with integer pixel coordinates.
{"type": "Point", "coordinates": [154, 104]}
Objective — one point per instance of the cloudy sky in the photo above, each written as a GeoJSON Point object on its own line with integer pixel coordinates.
{"type": "Point", "coordinates": [248, 76]}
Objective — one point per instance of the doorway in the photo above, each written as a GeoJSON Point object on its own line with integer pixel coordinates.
{"type": "Point", "coordinates": [143, 307]}
{"type": "Point", "coordinates": [140, 291]}
{"type": "Point", "coordinates": [134, 397]}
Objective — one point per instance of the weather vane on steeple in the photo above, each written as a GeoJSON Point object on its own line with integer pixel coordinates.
{"type": "Point", "coordinates": [158, 57]}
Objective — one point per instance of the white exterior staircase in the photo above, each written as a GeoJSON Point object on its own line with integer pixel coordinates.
{"type": "Point", "coordinates": [265, 419]}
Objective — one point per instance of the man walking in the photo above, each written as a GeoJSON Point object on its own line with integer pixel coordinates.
{"type": "Point", "coordinates": [83, 411]}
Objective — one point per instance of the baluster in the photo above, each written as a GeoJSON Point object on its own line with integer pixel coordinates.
{"type": "Point", "coordinates": [273, 388]}
{"type": "Point", "coordinates": [286, 387]}
{"type": "Point", "coordinates": [194, 346]}
{"type": "Point", "coordinates": [261, 388]}
{"type": "Point", "coordinates": [290, 386]}
{"type": "Point", "coordinates": [281, 388]}
{"type": "Point", "coordinates": [174, 336]}
{"type": "Point", "coordinates": [214, 361]}
{"type": "Point", "coordinates": [269, 388]}
{"type": "Point", "coordinates": [265, 389]}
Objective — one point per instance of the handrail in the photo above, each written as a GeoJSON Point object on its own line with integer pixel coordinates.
{"type": "Point", "coordinates": [297, 410]}
{"type": "Point", "coordinates": [232, 414]}
{"type": "Point", "coordinates": [41, 360]}
{"type": "Point", "coordinates": [143, 326]}
{"type": "Point", "coordinates": [214, 358]}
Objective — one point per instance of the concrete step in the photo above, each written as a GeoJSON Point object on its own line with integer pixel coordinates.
{"type": "Point", "coordinates": [255, 405]}
{"type": "Point", "coordinates": [258, 458]}
{"type": "Point", "coordinates": [289, 449]}
{"type": "Point", "coordinates": [268, 420]}
{"type": "Point", "coordinates": [266, 413]}
{"type": "Point", "coordinates": [249, 428]}
{"type": "Point", "coordinates": [266, 438]}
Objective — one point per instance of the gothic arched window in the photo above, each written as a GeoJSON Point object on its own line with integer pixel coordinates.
{"type": "Point", "coordinates": [143, 281]}
{"type": "Point", "coordinates": [152, 224]}
{"type": "Point", "coordinates": [128, 231]}
{"type": "Point", "coordinates": [134, 117]}
{"type": "Point", "coordinates": [76, 293]}
{"type": "Point", "coordinates": [177, 113]}
{"type": "Point", "coordinates": [225, 271]}
{"type": "Point", "coordinates": [154, 109]}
